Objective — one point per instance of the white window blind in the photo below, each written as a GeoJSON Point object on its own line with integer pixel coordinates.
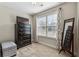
{"type": "Point", "coordinates": [47, 25]}
{"type": "Point", "coordinates": [41, 26]}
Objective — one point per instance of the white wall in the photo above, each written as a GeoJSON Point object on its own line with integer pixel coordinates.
{"type": "Point", "coordinates": [69, 11]}
{"type": "Point", "coordinates": [7, 21]}
{"type": "Point", "coordinates": [78, 25]}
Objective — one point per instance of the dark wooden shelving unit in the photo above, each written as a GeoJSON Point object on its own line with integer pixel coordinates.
{"type": "Point", "coordinates": [22, 32]}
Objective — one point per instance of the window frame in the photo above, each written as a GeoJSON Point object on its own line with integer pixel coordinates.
{"type": "Point", "coordinates": [46, 24]}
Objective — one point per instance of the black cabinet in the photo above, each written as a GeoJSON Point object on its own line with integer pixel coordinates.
{"type": "Point", "coordinates": [22, 32]}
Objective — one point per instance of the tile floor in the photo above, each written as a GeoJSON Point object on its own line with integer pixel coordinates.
{"type": "Point", "coordinates": [39, 50]}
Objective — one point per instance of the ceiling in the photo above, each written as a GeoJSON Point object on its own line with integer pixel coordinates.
{"type": "Point", "coordinates": [30, 7]}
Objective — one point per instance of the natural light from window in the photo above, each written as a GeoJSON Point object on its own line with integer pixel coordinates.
{"type": "Point", "coordinates": [47, 26]}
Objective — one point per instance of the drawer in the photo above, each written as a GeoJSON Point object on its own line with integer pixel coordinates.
{"type": "Point", "coordinates": [27, 36]}
{"type": "Point", "coordinates": [26, 42]}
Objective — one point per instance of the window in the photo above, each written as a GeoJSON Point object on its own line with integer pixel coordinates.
{"type": "Point", "coordinates": [51, 25]}
{"type": "Point", "coordinates": [47, 25]}
{"type": "Point", "coordinates": [41, 26]}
